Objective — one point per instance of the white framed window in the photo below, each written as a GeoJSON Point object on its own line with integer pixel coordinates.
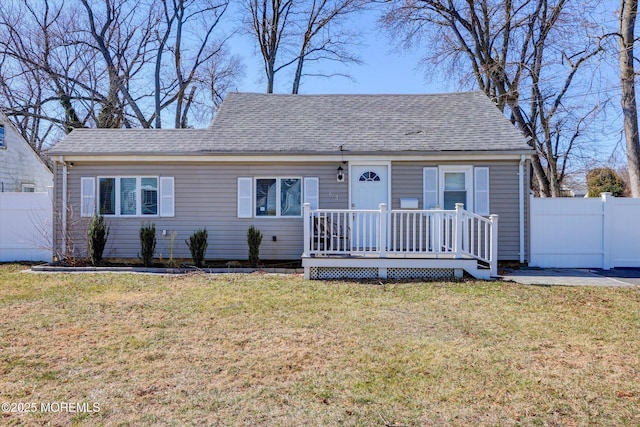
{"type": "Point", "coordinates": [28, 188]}
{"type": "Point", "coordinates": [275, 197]}
{"type": "Point", "coordinates": [444, 186]}
{"type": "Point", "coordinates": [456, 186]}
{"type": "Point", "coordinates": [278, 197]}
{"type": "Point", "coordinates": [2, 143]}
{"type": "Point", "coordinates": [127, 196]}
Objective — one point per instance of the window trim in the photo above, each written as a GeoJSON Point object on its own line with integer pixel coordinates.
{"type": "Point", "coordinates": [31, 186]}
{"type": "Point", "coordinates": [468, 183]}
{"type": "Point", "coordinates": [117, 187]}
{"type": "Point", "coordinates": [278, 196]}
{"type": "Point", "coordinates": [433, 186]}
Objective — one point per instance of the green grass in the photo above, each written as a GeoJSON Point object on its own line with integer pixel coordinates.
{"type": "Point", "coordinates": [278, 350]}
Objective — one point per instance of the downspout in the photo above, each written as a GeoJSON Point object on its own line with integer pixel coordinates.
{"type": "Point", "coordinates": [64, 206]}
{"type": "Point", "coordinates": [521, 204]}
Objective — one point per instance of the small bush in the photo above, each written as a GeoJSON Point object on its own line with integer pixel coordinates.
{"type": "Point", "coordinates": [198, 246]}
{"type": "Point", "coordinates": [172, 242]}
{"type": "Point", "coordinates": [147, 243]}
{"type": "Point", "coordinates": [600, 180]}
{"type": "Point", "coordinates": [98, 234]}
{"type": "Point", "coordinates": [254, 239]}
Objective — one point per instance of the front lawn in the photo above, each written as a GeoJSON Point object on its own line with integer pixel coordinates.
{"type": "Point", "coordinates": [277, 350]}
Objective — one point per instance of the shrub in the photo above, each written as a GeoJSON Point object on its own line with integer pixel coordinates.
{"type": "Point", "coordinates": [254, 239]}
{"type": "Point", "coordinates": [172, 241]}
{"type": "Point", "coordinates": [198, 246]}
{"type": "Point", "coordinates": [148, 243]}
{"type": "Point", "coordinates": [600, 180]}
{"type": "Point", "coordinates": [98, 234]}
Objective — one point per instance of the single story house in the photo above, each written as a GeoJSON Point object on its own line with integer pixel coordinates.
{"type": "Point", "coordinates": [358, 185]}
{"type": "Point", "coordinates": [21, 169]}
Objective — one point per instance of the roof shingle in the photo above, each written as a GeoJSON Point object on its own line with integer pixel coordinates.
{"type": "Point", "coordinates": [251, 123]}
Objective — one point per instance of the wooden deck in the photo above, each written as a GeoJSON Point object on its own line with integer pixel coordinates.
{"type": "Point", "coordinates": [398, 243]}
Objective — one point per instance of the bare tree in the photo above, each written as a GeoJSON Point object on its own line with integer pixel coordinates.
{"type": "Point", "coordinates": [190, 63]}
{"type": "Point", "coordinates": [289, 32]}
{"type": "Point", "coordinates": [526, 55]}
{"type": "Point", "coordinates": [268, 25]}
{"type": "Point", "coordinates": [81, 63]}
{"type": "Point", "coordinates": [626, 41]}
{"type": "Point", "coordinates": [322, 42]}
{"type": "Point", "coordinates": [222, 75]}
{"type": "Point", "coordinates": [124, 43]}
{"type": "Point", "coordinates": [45, 78]}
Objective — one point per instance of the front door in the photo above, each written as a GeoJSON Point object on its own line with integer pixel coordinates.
{"type": "Point", "coordinates": [369, 188]}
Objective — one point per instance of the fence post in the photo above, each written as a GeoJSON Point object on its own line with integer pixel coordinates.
{"type": "Point", "coordinates": [607, 201]}
{"type": "Point", "coordinates": [494, 244]}
{"type": "Point", "coordinates": [458, 230]}
{"type": "Point", "coordinates": [306, 225]}
{"type": "Point", "coordinates": [382, 237]}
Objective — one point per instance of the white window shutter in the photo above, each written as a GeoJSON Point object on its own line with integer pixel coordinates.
{"type": "Point", "coordinates": [481, 186]}
{"type": "Point", "coordinates": [430, 187]}
{"type": "Point", "coordinates": [167, 196]}
{"type": "Point", "coordinates": [245, 198]}
{"type": "Point", "coordinates": [312, 191]}
{"type": "Point", "coordinates": [88, 196]}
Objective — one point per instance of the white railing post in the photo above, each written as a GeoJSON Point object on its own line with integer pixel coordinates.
{"type": "Point", "coordinates": [382, 235]}
{"type": "Point", "coordinates": [436, 234]}
{"type": "Point", "coordinates": [458, 230]}
{"type": "Point", "coordinates": [306, 225]}
{"type": "Point", "coordinates": [494, 244]}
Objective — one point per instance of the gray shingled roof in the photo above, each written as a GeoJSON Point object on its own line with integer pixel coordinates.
{"type": "Point", "coordinates": [251, 123]}
{"type": "Point", "coordinates": [131, 141]}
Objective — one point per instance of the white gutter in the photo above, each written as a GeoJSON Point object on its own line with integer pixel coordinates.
{"type": "Point", "coordinates": [521, 204]}
{"type": "Point", "coordinates": [288, 157]}
{"type": "Point", "coordinates": [64, 205]}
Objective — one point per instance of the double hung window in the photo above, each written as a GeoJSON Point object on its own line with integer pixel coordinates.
{"type": "Point", "coordinates": [445, 186]}
{"type": "Point", "coordinates": [454, 189]}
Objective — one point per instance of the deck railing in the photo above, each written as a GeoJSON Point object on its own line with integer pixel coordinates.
{"type": "Point", "coordinates": [401, 233]}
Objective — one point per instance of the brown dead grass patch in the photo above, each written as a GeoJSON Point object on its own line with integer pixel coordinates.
{"type": "Point", "coordinates": [276, 350]}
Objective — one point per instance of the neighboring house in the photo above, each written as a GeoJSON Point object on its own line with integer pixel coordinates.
{"type": "Point", "coordinates": [266, 155]}
{"type": "Point", "coordinates": [21, 169]}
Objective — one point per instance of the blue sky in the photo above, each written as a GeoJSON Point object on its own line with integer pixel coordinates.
{"type": "Point", "coordinates": [386, 68]}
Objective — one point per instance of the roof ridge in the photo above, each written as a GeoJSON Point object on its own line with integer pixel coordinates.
{"type": "Point", "coordinates": [373, 95]}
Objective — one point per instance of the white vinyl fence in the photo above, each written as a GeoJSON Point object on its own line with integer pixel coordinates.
{"type": "Point", "coordinates": [585, 233]}
{"type": "Point", "coordinates": [25, 227]}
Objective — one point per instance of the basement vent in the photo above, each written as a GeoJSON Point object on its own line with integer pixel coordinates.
{"type": "Point", "coordinates": [324, 273]}
{"type": "Point", "coordinates": [420, 273]}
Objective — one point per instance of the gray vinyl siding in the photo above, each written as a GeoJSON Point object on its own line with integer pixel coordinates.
{"type": "Point", "coordinates": [205, 196]}
{"type": "Point", "coordinates": [503, 193]}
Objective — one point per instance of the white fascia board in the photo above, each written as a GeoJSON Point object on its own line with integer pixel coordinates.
{"type": "Point", "coordinates": [301, 158]}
